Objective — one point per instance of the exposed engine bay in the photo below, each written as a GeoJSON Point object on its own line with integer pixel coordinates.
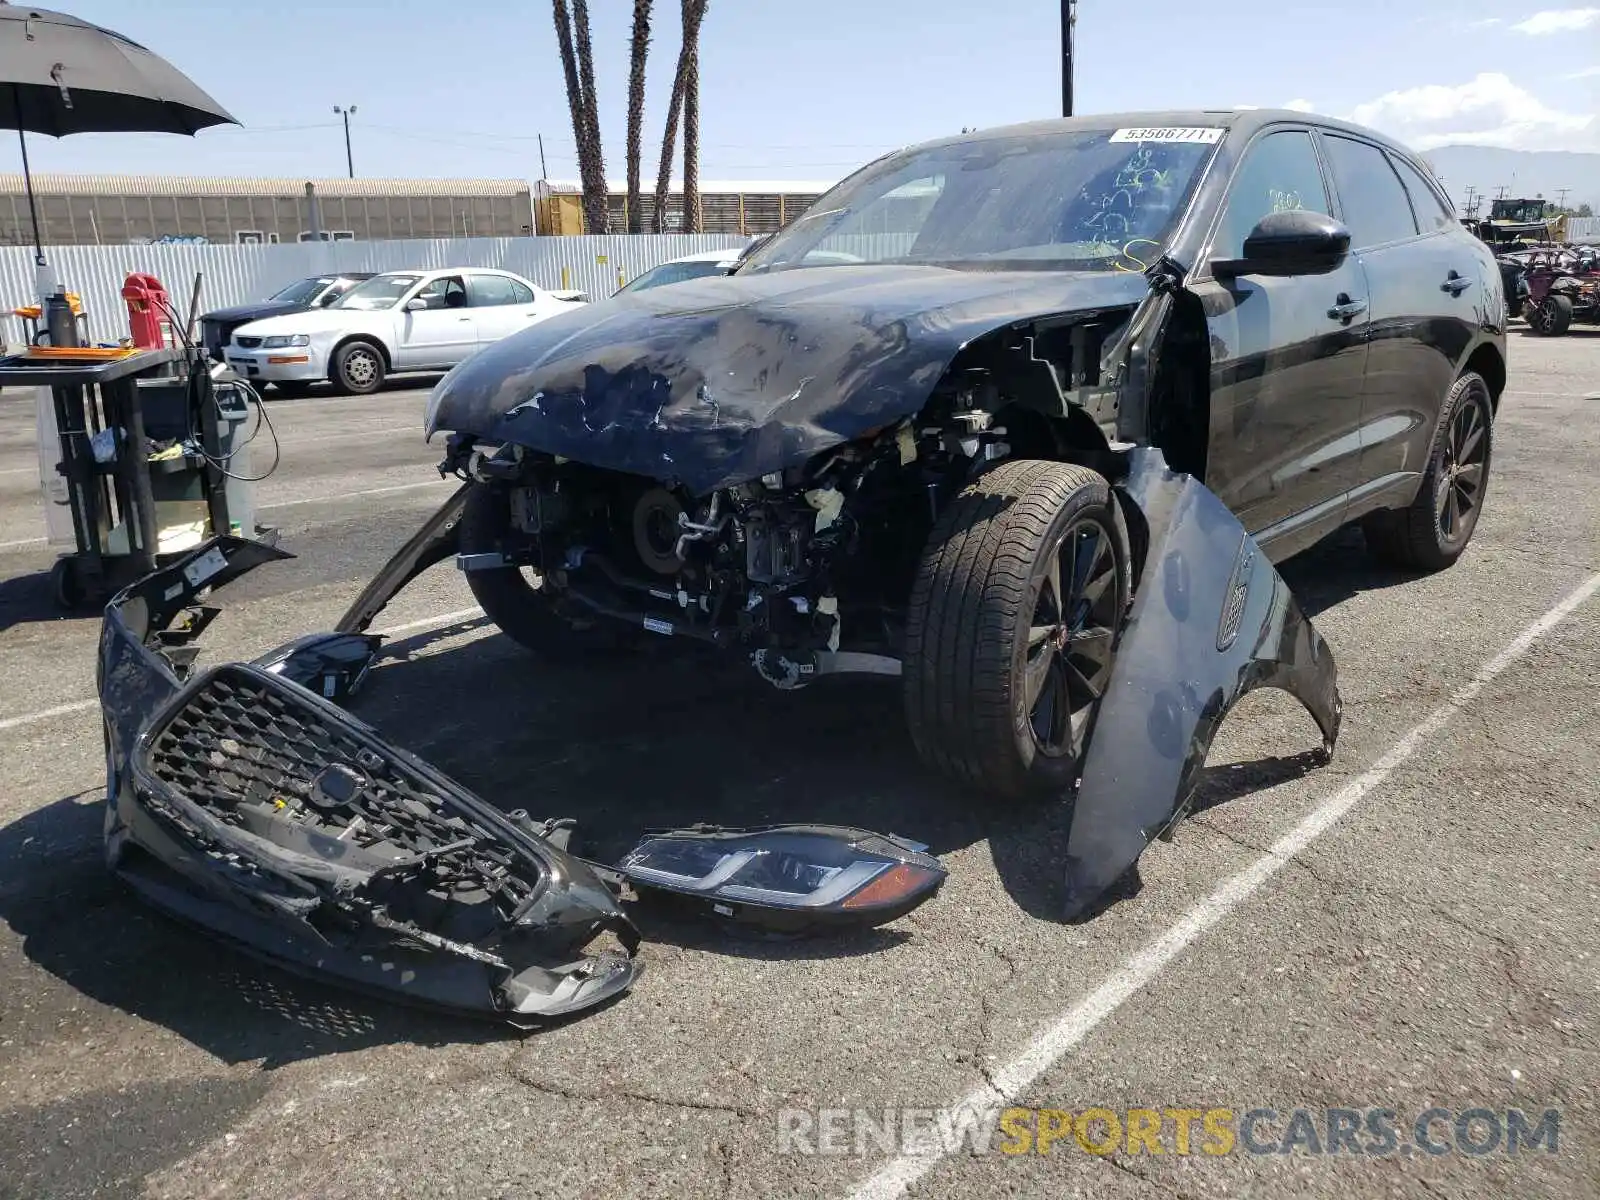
{"type": "Point", "coordinates": [807, 568]}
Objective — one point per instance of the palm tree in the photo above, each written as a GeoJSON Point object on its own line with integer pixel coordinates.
{"type": "Point", "coordinates": [688, 57]}
{"type": "Point", "coordinates": [641, 48]}
{"type": "Point", "coordinates": [691, 127]}
{"type": "Point", "coordinates": [577, 65]}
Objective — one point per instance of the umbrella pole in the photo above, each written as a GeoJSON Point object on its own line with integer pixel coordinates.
{"type": "Point", "coordinates": [27, 179]}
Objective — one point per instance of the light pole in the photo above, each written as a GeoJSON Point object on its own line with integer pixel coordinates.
{"type": "Point", "coordinates": [1069, 19]}
{"type": "Point", "coordinates": [347, 113]}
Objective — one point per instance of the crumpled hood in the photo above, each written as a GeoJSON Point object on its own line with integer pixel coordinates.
{"type": "Point", "coordinates": [717, 381]}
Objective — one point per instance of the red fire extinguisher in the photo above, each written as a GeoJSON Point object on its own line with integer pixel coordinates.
{"type": "Point", "coordinates": [149, 312]}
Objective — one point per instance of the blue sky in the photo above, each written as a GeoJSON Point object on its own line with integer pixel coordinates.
{"type": "Point", "coordinates": [810, 90]}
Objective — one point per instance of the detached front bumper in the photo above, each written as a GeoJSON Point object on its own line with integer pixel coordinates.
{"type": "Point", "coordinates": [241, 801]}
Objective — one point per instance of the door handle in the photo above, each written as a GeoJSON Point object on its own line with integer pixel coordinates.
{"type": "Point", "coordinates": [1346, 309]}
{"type": "Point", "coordinates": [1455, 283]}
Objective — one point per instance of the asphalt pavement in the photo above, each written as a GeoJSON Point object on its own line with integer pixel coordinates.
{"type": "Point", "coordinates": [1407, 931]}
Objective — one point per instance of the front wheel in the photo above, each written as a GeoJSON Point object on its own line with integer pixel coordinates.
{"type": "Point", "coordinates": [358, 368]}
{"type": "Point", "coordinates": [1433, 531]}
{"type": "Point", "coordinates": [1012, 625]}
{"type": "Point", "coordinates": [1552, 317]}
{"type": "Point", "coordinates": [522, 611]}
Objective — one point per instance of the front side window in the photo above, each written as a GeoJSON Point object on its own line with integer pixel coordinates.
{"type": "Point", "coordinates": [381, 291]}
{"type": "Point", "coordinates": [1280, 173]}
{"type": "Point", "coordinates": [1375, 206]}
{"type": "Point", "coordinates": [1100, 200]}
{"type": "Point", "coordinates": [448, 291]}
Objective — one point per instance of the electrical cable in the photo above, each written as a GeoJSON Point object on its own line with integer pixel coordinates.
{"type": "Point", "coordinates": [196, 437]}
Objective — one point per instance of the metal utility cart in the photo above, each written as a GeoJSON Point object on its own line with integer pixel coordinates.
{"type": "Point", "coordinates": [117, 402]}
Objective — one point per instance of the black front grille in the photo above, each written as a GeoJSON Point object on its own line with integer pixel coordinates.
{"type": "Point", "coordinates": [246, 744]}
{"type": "Point", "coordinates": [245, 737]}
{"type": "Point", "coordinates": [248, 343]}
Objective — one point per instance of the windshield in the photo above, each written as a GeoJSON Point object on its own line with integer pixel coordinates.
{"type": "Point", "coordinates": [301, 291]}
{"type": "Point", "coordinates": [674, 272]}
{"type": "Point", "coordinates": [1103, 199]}
{"type": "Point", "coordinates": [381, 291]}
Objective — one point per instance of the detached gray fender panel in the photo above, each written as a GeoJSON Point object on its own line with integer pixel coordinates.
{"type": "Point", "coordinates": [1212, 620]}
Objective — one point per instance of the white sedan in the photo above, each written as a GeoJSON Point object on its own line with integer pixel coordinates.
{"type": "Point", "coordinates": [397, 321]}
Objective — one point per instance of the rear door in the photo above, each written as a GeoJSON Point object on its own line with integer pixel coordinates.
{"type": "Point", "coordinates": [441, 334]}
{"type": "Point", "coordinates": [1288, 355]}
{"type": "Point", "coordinates": [500, 305]}
{"type": "Point", "coordinates": [1425, 283]}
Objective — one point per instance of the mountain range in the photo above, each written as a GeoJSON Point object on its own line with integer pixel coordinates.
{"type": "Point", "coordinates": [1486, 169]}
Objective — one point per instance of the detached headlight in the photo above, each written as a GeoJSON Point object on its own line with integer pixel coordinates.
{"type": "Point", "coordinates": [282, 341]}
{"type": "Point", "coordinates": [791, 877]}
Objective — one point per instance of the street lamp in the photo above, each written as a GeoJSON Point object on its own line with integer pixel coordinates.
{"type": "Point", "coordinates": [1069, 18]}
{"type": "Point", "coordinates": [347, 113]}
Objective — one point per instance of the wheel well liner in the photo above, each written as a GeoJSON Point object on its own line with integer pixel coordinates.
{"type": "Point", "coordinates": [1486, 361]}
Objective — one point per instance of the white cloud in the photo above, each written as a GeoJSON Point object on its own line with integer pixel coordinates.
{"type": "Point", "coordinates": [1490, 110]}
{"type": "Point", "coordinates": [1586, 73]}
{"type": "Point", "coordinates": [1558, 20]}
{"type": "Point", "coordinates": [1300, 105]}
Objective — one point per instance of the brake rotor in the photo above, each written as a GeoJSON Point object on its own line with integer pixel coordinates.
{"type": "Point", "coordinates": [656, 531]}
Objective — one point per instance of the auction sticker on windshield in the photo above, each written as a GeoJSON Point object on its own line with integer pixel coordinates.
{"type": "Point", "coordinates": [1204, 135]}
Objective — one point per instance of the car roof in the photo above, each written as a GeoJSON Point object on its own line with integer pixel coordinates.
{"type": "Point", "coordinates": [1240, 120]}
{"type": "Point", "coordinates": [727, 254]}
{"type": "Point", "coordinates": [451, 271]}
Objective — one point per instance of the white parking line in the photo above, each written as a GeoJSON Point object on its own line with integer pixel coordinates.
{"type": "Point", "coordinates": [377, 491]}
{"type": "Point", "coordinates": [77, 706]}
{"type": "Point", "coordinates": [1141, 968]}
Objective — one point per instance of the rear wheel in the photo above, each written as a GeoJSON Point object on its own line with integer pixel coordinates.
{"type": "Point", "coordinates": [358, 368]}
{"type": "Point", "coordinates": [1434, 530]}
{"type": "Point", "coordinates": [508, 595]}
{"type": "Point", "coordinates": [1012, 625]}
{"type": "Point", "coordinates": [1552, 316]}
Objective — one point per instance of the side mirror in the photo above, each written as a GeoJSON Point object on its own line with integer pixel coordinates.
{"type": "Point", "coordinates": [1295, 242]}
{"type": "Point", "coordinates": [416, 304]}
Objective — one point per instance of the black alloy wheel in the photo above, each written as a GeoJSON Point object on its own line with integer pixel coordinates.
{"type": "Point", "coordinates": [1071, 636]}
{"type": "Point", "coordinates": [1011, 627]}
{"type": "Point", "coordinates": [1432, 531]}
{"type": "Point", "coordinates": [1463, 470]}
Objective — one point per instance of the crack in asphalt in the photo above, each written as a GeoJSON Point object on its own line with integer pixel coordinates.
{"type": "Point", "coordinates": [1508, 952]}
{"type": "Point", "coordinates": [523, 1079]}
{"type": "Point", "coordinates": [986, 1016]}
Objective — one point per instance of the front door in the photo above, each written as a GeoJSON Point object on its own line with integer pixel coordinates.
{"type": "Point", "coordinates": [1288, 356]}
{"type": "Point", "coordinates": [441, 334]}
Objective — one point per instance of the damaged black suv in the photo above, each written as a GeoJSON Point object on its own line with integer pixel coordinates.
{"type": "Point", "coordinates": [949, 454]}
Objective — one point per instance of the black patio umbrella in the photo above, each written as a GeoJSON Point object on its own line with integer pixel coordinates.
{"type": "Point", "coordinates": [61, 75]}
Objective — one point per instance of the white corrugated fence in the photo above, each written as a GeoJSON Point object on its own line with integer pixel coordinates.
{"type": "Point", "coordinates": [240, 274]}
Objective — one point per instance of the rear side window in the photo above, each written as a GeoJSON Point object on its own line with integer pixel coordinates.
{"type": "Point", "coordinates": [1280, 172]}
{"type": "Point", "coordinates": [1431, 211]}
{"type": "Point", "coordinates": [491, 291]}
{"type": "Point", "coordinates": [1375, 206]}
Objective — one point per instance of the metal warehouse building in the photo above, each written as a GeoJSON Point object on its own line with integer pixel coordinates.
{"type": "Point", "coordinates": [119, 209]}
{"type": "Point", "coordinates": [741, 207]}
